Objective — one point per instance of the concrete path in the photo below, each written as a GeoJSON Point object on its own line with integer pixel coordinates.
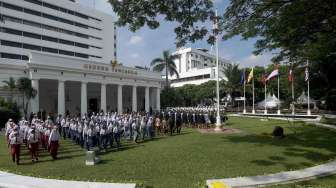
{"type": "Point", "coordinates": [273, 179]}
{"type": "Point", "coordinates": [9, 180]}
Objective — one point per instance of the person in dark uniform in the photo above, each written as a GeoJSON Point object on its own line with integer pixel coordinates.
{"type": "Point", "coordinates": [171, 125]}
{"type": "Point", "coordinates": [178, 124]}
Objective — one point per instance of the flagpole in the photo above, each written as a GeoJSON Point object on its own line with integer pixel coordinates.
{"type": "Point", "coordinates": [253, 111]}
{"type": "Point", "coordinates": [308, 109]}
{"type": "Point", "coordinates": [265, 111]}
{"type": "Point", "coordinates": [244, 111]}
{"type": "Point", "coordinates": [279, 112]}
{"type": "Point", "coordinates": [293, 96]}
{"type": "Point", "coordinates": [218, 119]}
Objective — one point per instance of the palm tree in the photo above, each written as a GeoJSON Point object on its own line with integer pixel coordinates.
{"type": "Point", "coordinates": [167, 63]}
{"type": "Point", "coordinates": [25, 87]}
{"type": "Point", "coordinates": [10, 86]}
{"type": "Point", "coordinates": [233, 74]}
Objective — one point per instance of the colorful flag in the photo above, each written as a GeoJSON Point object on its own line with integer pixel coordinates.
{"type": "Point", "coordinates": [242, 77]}
{"type": "Point", "coordinates": [274, 73]}
{"type": "Point", "coordinates": [290, 75]}
{"type": "Point", "coordinates": [250, 76]}
{"type": "Point", "coordinates": [306, 73]}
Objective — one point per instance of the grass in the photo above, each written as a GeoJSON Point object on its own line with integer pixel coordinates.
{"type": "Point", "coordinates": [187, 160]}
{"type": "Point", "coordinates": [331, 121]}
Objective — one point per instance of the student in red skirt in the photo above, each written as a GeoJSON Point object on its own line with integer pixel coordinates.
{"type": "Point", "coordinates": [54, 142]}
{"type": "Point", "coordinates": [15, 141]}
{"type": "Point", "coordinates": [33, 140]}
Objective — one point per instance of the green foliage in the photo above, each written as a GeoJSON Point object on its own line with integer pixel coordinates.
{"type": "Point", "coordinates": [24, 85]}
{"type": "Point", "coordinates": [10, 85]}
{"type": "Point", "coordinates": [8, 110]}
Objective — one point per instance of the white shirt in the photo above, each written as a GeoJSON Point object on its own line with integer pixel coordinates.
{"type": "Point", "coordinates": [54, 135]}
{"type": "Point", "coordinates": [15, 139]}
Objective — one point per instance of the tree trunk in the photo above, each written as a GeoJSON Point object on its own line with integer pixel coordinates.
{"type": "Point", "coordinates": [167, 82]}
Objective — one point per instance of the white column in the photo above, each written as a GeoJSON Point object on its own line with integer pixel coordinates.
{"type": "Point", "coordinates": [34, 102]}
{"type": "Point", "coordinates": [84, 98]}
{"type": "Point", "coordinates": [147, 99]}
{"type": "Point", "coordinates": [120, 104]}
{"type": "Point", "coordinates": [158, 104]}
{"type": "Point", "coordinates": [134, 99]}
{"type": "Point", "coordinates": [61, 98]}
{"type": "Point", "coordinates": [103, 97]}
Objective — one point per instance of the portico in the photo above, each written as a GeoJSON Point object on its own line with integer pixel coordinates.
{"type": "Point", "coordinates": [79, 87]}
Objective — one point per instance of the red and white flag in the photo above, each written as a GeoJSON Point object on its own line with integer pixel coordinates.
{"type": "Point", "coordinates": [274, 73]}
{"type": "Point", "coordinates": [290, 75]}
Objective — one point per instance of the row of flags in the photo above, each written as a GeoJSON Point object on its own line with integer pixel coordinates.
{"type": "Point", "coordinates": [273, 74]}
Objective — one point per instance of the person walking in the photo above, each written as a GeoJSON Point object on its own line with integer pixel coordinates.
{"type": "Point", "coordinates": [54, 142]}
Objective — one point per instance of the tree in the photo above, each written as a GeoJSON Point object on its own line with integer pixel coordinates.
{"type": "Point", "coordinates": [165, 63]}
{"type": "Point", "coordinates": [296, 29]}
{"type": "Point", "coordinates": [25, 87]}
{"type": "Point", "coordinates": [233, 75]}
{"type": "Point", "coordinates": [10, 86]}
{"type": "Point", "coordinates": [188, 16]}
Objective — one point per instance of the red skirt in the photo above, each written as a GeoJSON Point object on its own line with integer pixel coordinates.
{"type": "Point", "coordinates": [15, 149]}
{"type": "Point", "coordinates": [54, 148]}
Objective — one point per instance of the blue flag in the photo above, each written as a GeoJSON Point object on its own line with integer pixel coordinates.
{"type": "Point", "coordinates": [243, 77]}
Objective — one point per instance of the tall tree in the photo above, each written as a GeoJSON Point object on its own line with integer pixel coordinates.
{"type": "Point", "coordinates": [233, 74]}
{"type": "Point", "coordinates": [188, 16]}
{"type": "Point", "coordinates": [165, 63]}
{"type": "Point", "coordinates": [28, 92]}
{"type": "Point", "coordinates": [10, 86]}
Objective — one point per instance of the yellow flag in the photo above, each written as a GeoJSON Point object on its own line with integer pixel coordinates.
{"type": "Point", "coordinates": [250, 76]}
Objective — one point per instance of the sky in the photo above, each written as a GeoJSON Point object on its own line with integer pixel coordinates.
{"type": "Point", "coordinates": [140, 47]}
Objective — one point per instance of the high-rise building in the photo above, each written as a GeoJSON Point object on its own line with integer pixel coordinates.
{"type": "Point", "coordinates": [68, 52]}
{"type": "Point", "coordinates": [196, 66]}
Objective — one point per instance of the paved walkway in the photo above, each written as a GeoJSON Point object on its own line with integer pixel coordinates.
{"type": "Point", "coordinates": [278, 178]}
{"type": "Point", "coordinates": [9, 180]}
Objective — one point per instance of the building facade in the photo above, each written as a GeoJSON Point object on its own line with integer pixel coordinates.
{"type": "Point", "coordinates": [196, 66]}
{"type": "Point", "coordinates": [67, 50]}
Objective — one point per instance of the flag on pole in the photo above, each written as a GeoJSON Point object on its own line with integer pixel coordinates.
{"type": "Point", "coordinates": [250, 76]}
{"type": "Point", "coordinates": [290, 75]}
{"type": "Point", "coordinates": [306, 73]}
{"type": "Point", "coordinates": [274, 73]}
{"type": "Point", "coordinates": [242, 77]}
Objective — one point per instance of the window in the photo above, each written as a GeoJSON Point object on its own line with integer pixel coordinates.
{"type": "Point", "coordinates": [95, 47]}
{"type": "Point", "coordinates": [52, 39]}
{"type": "Point", "coordinates": [82, 15]}
{"type": "Point", "coordinates": [66, 42]}
{"type": "Point", "coordinates": [11, 19]}
{"type": "Point", "coordinates": [71, 12]}
{"type": "Point", "coordinates": [33, 24]}
{"type": "Point", "coordinates": [10, 56]}
{"type": "Point", "coordinates": [35, 2]}
{"type": "Point", "coordinates": [82, 25]}
{"type": "Point", "coordinates": [82, 55]}
{"type": "Point", "coordinates": [82, 45]}
{"type": "Point", "coordinates": [12, 31]}
{"type": "Point", "coordinates": [66, 21]}
{"type": "Point", "coordinates": [51, 28]}
{"type": "Point", "coordinates": [32, 35]}
{"type": "Point", "coordinates": [25, 58]}
{"type": "Point", "coordinates": [31, 47]}
{"type": "Point", "coordinates": [63, 52]}
{"type": "Point", "coordinates": [50, 50]}
{"type": "Point", "coordinates": [13, 7]}
{"type": "Point", "coordinates": [51, 17]}
{"type": "Point", "coordinates": [33, 12]}
{"type": "Point", "coordinates": [63, 10]}
{"type": "Point", "coordinates": [50, 6]}
{"type": "Point", "coordinates": [10, 43]}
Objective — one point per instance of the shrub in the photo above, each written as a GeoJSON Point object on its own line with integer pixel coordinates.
{"type": "Point", "coordinates": [278, 132]}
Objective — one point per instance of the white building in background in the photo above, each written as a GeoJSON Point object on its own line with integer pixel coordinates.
{"type": "Point", "coordinates": [66, 50]}
{"type": "Point", "coordinates": [196, 66]}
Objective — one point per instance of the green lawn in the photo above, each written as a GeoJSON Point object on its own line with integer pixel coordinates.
{"type": "Point", "coordinates": [187, 160]}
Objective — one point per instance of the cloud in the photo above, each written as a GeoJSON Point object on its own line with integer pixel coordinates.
{"type": "Point", "coordinates": [253, 60]}
{"type": "Point", "coordinates": [135, 40]}
{"type": "Point", "coordinates": [135, 55]}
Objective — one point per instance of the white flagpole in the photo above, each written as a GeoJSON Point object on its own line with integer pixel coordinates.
{"type": "Point", "coordinates": [293, 96]}
{"type": "Point", "coordinates": [218, 119]}
{"type": "Point", "coordinates": [279, 112]}
{"type": "Point", "coordinates": [308, 109]}
{"type": "Point", "coordinates": [265, 111]}
{"type": "Point", "coordinates": [244, 111]}
{"type": "Point", "coordinates": [253, 111]}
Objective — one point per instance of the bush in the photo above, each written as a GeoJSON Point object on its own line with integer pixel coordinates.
{"type": "Point", "coordinates": [278, 132]}
{"type": "Point", "coordinates": [8, 110]}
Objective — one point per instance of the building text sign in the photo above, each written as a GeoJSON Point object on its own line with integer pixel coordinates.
{"type": "Point", "coordinates": [101, 68]}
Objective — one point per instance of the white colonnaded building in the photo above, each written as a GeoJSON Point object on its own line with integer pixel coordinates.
{"type": "Point", "coordinates": [196, 66]}
{"type": "Point", "coordinates": [66, 50]}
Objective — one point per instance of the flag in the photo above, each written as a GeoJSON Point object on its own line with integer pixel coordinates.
{"type": "Point", "coordinates": [274, 73]}
{"type": "Point", "coordinates": [290, 75]}
{"type": "Point", "coordinates": [306, 74]}
{"type": "Point", "coordinates": [242, 78]}
{"type": "Point", "coordinates": [250, 76]}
